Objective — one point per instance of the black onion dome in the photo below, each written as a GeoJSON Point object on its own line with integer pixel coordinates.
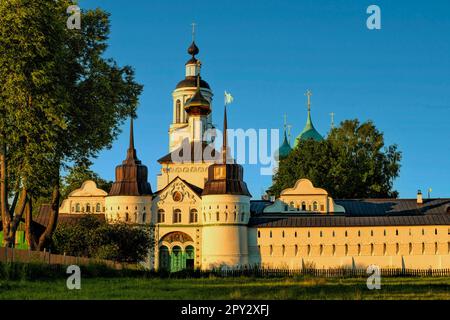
{"type": "Point", "coordinates": [191, 82]}
{"type": "Point", "coordinates": [131, 175]}
{"type": "Point", "coordinates": [193, 49]}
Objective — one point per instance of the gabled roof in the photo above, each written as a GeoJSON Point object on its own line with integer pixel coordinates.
{"type": "Point", "coordinates": [197, 190]}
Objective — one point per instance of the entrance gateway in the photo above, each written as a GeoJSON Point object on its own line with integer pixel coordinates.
{"type": "Point", "coordinates": [176, 252]}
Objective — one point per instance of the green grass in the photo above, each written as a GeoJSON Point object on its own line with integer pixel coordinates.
{"type": "Point", "coordinates": [227, 288]}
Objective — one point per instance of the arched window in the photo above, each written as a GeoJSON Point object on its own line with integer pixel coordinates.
{"type": "Point", "coordinates": [384, 249]}
{"type": "Point", "coordinates": [295, 234]}
{"type": "Point", "coordinates": [436, 248]}
{"type": "Point", "coordinates": [396, 232]}
{"type": "Point", "coordinates": [291, 206]}
{"type": "Point", "coordinates": [143, 217]}
{"type": "Point", "coordinates": [410, 248]}
{"type": "Point", "coordinates": [435, 231]}
{"type": "Point", "coordinates": [282, 234]}
{"type": "Point", "coordinates": [423, 231]}
{"type": "Point", "coordinates": [283, 250]}
{"type": "Point", "coordinates": [321, 249]}
{"type": "Point", "coordinates": [397, 248]}
{"type": "Point", "coordinates": [193, 216]}
{"type": "Point", "coordinates": [178, 111]}
{"type": "Point", "coordinates": [315, 206]}
{"type": "Point", "coordinates": [161, 216]}
{"type": "Point", "coordinates": [371, 249]}
{"type": "Point", "coordinates": [371, 233]}
{"type": "Point", "coordinates": [321, 234]}
{"type": "Point", "coordinates": [334, 233]}
{"type": "Point", "coordinates": [259, 234]}
{"type": "Point", "coordinates": [309, 234]}
{"type": "Point", "coordinates": [296, 250]}
{"type": "Point", "coordinates": [334, 249]}
{"type": "Point", "coordinates": [97, 207]}
{"type": "Point", "coordinates": [177, 216]}
{"type": "Point", "coordinates": [127, 216]}
{"type": "Point", "coordinates": [423, 247]}
{"type": "Point", "coordinates": [346, 249]}
{"type": "Point", "coordinates": [271, 250]}
{"type": "Point", "coordinates": [242, 216]}
{"type": "Point", "coordinates": [234, 216]}
{"type": "Point", "coordinates": [309, 249]}
{"type": "Point", "coordinates": [88, 207]}
{"type": "Point", "coordinates": [77, 207]}
{"type": "Point", "coordinates": [359, 249]}
{"type": "Point", "coordinates": [226, 216]}
{"type": "Point", "coordinates": [346, 233]}
{"type": "Point", "coordinates": [270, 234]}
{"type": "Point", "coordinates": [135, 217]}
{"type": "Point", "coordinates": [217, 216]}
{"type": "Point", "coordinates": [304, 206]}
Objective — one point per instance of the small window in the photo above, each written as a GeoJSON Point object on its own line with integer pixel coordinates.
{"type": "Point", "coordinates": [371, 249]}
{"type": "Point", "coordinates": [270, 234]}
{"type": "Point", "coordinates": [322, 207]}
{"type": "Point", "coordinates": [359, 233]}
{"type": "Point", "coordinates": [303, 206]}
{"type": "Point", "coordinates": [178, 111]}
{"type": "Point", "coordinates": [161, 216]}
{"type": "Point", "coordinates": [135, 217]}
{"type": "Point", "coordinates": [423, 231]}
{"type": "Point", "coordinates": [334, 249]}
{"type": "Point", "coordinates": [359, 249]}
{"type": "Point", "coordinates": [321, 233]}
{"type": "Point", "coordinates": [436, 248]}
{"type": "Point", "coordinates": [282, 234]}
{"type": "Point", "coordinates": [423, 248]}
{"type": "Point", "coordinates": [98, 207]}
{"type": "Point", "coordinates": [315, 206]}
{"type": "Point", "coordinates": [410, 248]}
{"type": "Point", "coordinates": [271, 250]}
{"type": "Point", "coordinates": [296, 250]}
{"type": "Point", "coordinates": [143, 217]}
{"type": "Point", "coordinates": [283, 250]}
{"type": "Point", "coordinates": [309, 234]}
{"type": "Point", "coordinates": [334, 233]}
{"type": "Point", "coordinates": [397, 248]}
{"type": "Point", "coordinates": [396, 232]}
{"type": "Point", "coordinates": [259, 234]}
{"type": "Point", "coordinates": [346, 233]}
{"type": "Point", "coordinates": [217, 216]}
{"type": "Point", "coordinates": [321, 249]}
{"type": "Point", "coordinates": [384, 249]}
{"type": "Point", "coordinates": [295, 234]}
{"type": "Point", "coordinates": [371, 233]}
{"type": "Point", "coordinates": [435, 231]}
{"type": "Point", "coordinates": [177, 216]}
{"type": "Point", "coordinates": [384, 232]}
{"type": "Point", "coordinates": [346, 249]}
{"type": "Point", "coordinates": [193, 216]}
{"type": "Point", "coordinates": [127, 216]}
{"type": "Point", "coordinates": [309, 249]}
{"type": "Point", "coordinates": [88, 207]}
{"type": "Point", "coordinates": [77, 207]}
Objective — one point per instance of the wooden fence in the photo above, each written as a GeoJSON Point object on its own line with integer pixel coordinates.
{"type": "Point", "coordinates": [28, 256]}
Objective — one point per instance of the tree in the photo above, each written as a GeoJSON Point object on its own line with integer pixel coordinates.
{"type": "Point", "coordinates": [61, 102]}
{"type": "Point", "coordinates": [351, 163]}
{"type": "Point", "coordinates": [93, 238]}
{"type": "Point", "coordinates": [77, 175]}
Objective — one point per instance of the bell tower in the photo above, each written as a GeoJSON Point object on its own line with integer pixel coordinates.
{"type": "Point", "coordinates": [184, 91]}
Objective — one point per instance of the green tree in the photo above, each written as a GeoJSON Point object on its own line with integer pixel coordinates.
{"type": "Point", "coordinates": [77, 175]}
{"type": "Point", "coordinates": [93, 238]}
{"type": "Point", "coordinates": [61, 101]}
{"type": "Point", "coordinates": [352, 162]}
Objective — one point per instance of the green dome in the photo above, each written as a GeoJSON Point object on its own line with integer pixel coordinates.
{"type": "Point", "coordinates": [284, 150]}
{"type": "Point", "coordinates": [309, 132]}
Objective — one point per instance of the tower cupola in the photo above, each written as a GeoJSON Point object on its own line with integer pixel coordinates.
{"type": "Point", "coordinates": [309, 132]}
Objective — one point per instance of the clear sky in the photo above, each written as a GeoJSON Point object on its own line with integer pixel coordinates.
{"type": "Point", "coordinates": [268, 53]}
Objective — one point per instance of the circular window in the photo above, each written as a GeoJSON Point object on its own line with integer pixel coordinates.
{"type": "Point", "coordinates": [177, 196]}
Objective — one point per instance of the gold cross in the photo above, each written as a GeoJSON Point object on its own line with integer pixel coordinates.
{"type": "Point", "coordinates": [193, 31]}
{"type": "Point", "coordinates": [309, 94]}
{"type": "Point", "coordinates": [332, 120]}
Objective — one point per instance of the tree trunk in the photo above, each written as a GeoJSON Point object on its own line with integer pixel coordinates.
{"type": "Point", "coordinates": [4, 206]}
{"type": "Point", "coordinates": [45, 238]}
{"type": "Point", "coordinates": [29, 231]}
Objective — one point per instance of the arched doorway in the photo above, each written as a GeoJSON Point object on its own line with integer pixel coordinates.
{"type": "Point", "coordinates": [176, 252]}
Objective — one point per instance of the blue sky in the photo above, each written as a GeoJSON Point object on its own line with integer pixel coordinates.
{"type": "Point", "coordinates": [268, 53]}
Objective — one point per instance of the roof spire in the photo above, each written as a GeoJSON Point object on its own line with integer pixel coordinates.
{"type": "Point", "coordinates": [131, 153]}
{"type": "Point", "coordinates": [225, 142]}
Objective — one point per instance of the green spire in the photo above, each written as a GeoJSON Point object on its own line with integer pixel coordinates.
{"type": "Point", "coordinates": [309, 132]}
{"type": "Point", "coordinates": [285, 148]}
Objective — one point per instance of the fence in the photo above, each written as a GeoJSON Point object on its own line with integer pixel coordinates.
{"type": "Point", "coordinates": [28, 256]}
{"type": "Point", "coordinates": [338, 272]}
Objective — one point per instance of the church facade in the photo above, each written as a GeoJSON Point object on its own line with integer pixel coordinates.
{"type": "Point", "coordinates": [202, 216]}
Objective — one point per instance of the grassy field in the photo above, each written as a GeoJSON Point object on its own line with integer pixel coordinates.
{"type": "Point", "coordinates": [227, 288]}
